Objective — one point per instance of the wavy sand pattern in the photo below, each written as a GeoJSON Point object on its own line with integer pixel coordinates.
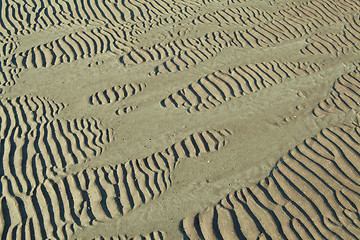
{"type": "Point", "coordinates": [125, 110]}
{"type": "Point", "coordinates": [117, 93]}
{"type": "Point", "coordinates": [22, 17]}
{"type": "Point", "coordinates": [338, 43]}
{"type": "Point", "coordinates": [312, 193]}
{"type": "Point", "coordinates": [221, 86]}
{"type": "Point", "coordinates": [35, 144]}
{"type": "Point", "coordinates": [344, 95]}
{"type": "Point", "coordinates": [58, 207]}
{"type": "Point", "coordinates": [244, 15]}
{"type": "Point", "coordinates": [288, 25]}
{"type": "Point", "coordinates": [39, 15]}
{"type": "Point", "coordinates": [152, 236]}
{"type": "Point", "coordinates": [75, 164]}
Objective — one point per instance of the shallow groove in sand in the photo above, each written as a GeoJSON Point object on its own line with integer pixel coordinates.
{"type": "Point", "coordinates": [189, 52]}
{"type": "Point", "coordinates": [126, 110]}
{"type": "Point", "coordinates": [243, 15]}
{"type": "Point", "coordinates": [221, 86]}
{"type": "Point", "coordinates": [151, 236]}
{"type": "Point", "coordinates": [35, 16]}
{"type": "Point", "coordinates": [339, 43]}
{"type": "Point", "coordinates": [34, 144]}
{"type": "Point", "coordinates": [53, 183]}
{"type": "Point", "coordinates": [312, 193]}
{"type": "Point", "coordinates": [22, 17]}
{"type": "Point", "coordinates": [116, 93]}
{"type": "Point", "coordinates": [59, 207]}
{"type": "Point", "coordinates": [344, 95]}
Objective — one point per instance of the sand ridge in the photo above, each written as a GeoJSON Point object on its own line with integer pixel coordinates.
{"type": "Point", "coordinates": [344, 95]}
{"type": "Point", "coordinates": [312, 193]}
{"type": "Point", "coordinates": [78, 45]}
{"type": "Point", "coordinates": [60, 207]}
{"type": "Point", "coordinates": [117, 93]}
{"type": "Point", "coordinates": [93, 144]}
{"type": "Point", "coordinates": [339, 43]}
{"type": "Point", "coordinates": [126, 110]}
{"type": "Point", "coordinates": [152, 236]}
{"type": "Point", "coordinates": [35, 146]}
{"type": "Point", "coordinates": [221, 86]}
{"type": "Point", "coordinates": [242, 15]}
{"type": "Point", "coordinates": [289, 26]}
{"type": "Point", "coordinates": [36, 16]}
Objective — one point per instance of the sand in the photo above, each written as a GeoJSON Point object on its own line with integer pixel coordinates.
{"type": "Point", "coordinates": [188, 119]}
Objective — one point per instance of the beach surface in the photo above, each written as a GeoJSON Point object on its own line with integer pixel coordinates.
{"type": "Point", "coordinates": [180, 119]}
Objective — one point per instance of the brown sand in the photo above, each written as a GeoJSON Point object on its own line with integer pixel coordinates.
{"type": "Point", "coordinates": [179, 119]}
